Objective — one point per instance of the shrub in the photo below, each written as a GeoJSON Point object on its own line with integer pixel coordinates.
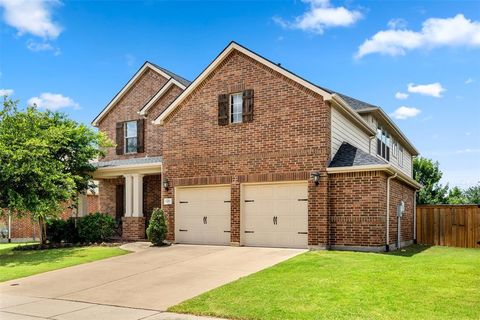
{"type": "Point", "coordinates": [96, 227]}
{"type": "Point", "coordinates": [157, 227]}
{"type": "Point", "coordinates": [59, 230]}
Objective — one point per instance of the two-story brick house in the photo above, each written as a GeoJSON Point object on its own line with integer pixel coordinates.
{"type": "Point", "coordinates": [251, 154]}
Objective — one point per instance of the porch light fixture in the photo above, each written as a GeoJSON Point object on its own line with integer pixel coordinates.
{"type": "Point", "coordinates": [316, 178]}
{"type": "Point", "coordinates": [166, 184]}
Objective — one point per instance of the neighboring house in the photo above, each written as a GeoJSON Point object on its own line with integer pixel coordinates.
{"type": "Point", "coordinates": [24, 229]}
{"type": "Point", "coordinates": [251, 154]}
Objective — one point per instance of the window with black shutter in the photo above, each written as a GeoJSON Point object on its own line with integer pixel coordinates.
{"type": "Point", "coordinates": [223, 109]}
{"type": "Point", "coordinates": [235, 107]}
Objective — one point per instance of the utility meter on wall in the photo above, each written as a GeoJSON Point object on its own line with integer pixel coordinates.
{"type": "Point", "coordinates": [400, 209]}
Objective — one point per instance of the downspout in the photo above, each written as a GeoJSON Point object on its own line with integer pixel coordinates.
{"type": "Point", "coordinates": [387, 246]}
{"type": "Point", "coordinates": [415, 217]}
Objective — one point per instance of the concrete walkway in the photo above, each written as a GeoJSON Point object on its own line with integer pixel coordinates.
{"type": "Point", "coordinates": [140, 285]}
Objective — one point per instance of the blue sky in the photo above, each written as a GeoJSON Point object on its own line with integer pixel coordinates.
{"type": "Point", "coordinates": [418, 60]}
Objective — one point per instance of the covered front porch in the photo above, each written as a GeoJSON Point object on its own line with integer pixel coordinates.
{"type": "Point", "coordinates": [129, 191]}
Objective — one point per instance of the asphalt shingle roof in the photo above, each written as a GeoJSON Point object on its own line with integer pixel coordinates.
{"type": "Point", "coordinates": [126, 162]}
{"type": "Point", "coordinates": [348, 156]}
{"type": "Point", "coordinates": [175, 76]}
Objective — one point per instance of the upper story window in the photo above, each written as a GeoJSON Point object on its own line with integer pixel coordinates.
{"type": "Point", "coordinates": [130, 136]}
{"type": "Point", "coordinates": [400, 156]}
{"type": "Point", "coordinates": [394, 149]}
{"type": "Point", "coordinates": [131, 139]}
{"type": "Point", "coordinates": [236, 107]}
{"type": "Point", "coordinates": [383, 143]}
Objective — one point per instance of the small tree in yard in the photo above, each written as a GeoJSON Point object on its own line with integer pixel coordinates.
{"type": "Point", "coordinates": [157, 227]}
{"type": "Point", "coordinates": [44, 161]}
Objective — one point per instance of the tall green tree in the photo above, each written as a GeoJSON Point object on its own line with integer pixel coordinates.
{"type": "Point", "coordinates": [473, 194]}
{"type": "Point", "coordinates": [456, 196]}
{"type": "Point", "coordinates": [44, 161]}
{"type": "Point", "coordinates": [427, 172]}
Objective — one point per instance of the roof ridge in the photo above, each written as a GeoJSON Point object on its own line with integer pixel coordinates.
{"type": "Point", "coordinates": [177, 77]}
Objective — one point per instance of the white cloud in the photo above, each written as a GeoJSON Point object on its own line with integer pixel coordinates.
{"type": "Point", "coordinates": [432, 89]}
{"type": "Point", "coordinates": [468, 150]}
{"type": "Point", "coordinates": [435, 32]}
{"type": "Point", "coordinates": [397, 23]}
{"type": "Point", "coordinates": [469, 80]}
{"type": "Point", "coordinates": [401, 95]}
{"type": "Point", "coordinates": [6, 92]}
{"type": "Point", "coordinates": [403, 113]}
{"type": "Point", "coordinates": [53, 101]}
{"type": "Point", "coordinates": [321, 15]}
{"type": "Point", "coordinates": [31, 16]}
{"type": "Point", "coordinates": [35, 46]}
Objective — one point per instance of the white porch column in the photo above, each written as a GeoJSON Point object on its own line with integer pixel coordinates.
{"type": "Point", "coordinates": [137, 195]}
{"type": "Point", "coordinates": [128, 195]}
{"type": "Point", "coordinates": [82, 208]}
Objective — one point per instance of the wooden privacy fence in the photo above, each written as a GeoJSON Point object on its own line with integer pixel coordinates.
{"type": "Point", "coordinates": [449, 225]}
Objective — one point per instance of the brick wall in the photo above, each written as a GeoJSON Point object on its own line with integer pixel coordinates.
{"type": "Point", "coordinates": [401, 192]}
{"type": "Point", "coordinates": [287, 140]}
{"type": "Point", "coordinates": [133, 228]}
{"type": "Point", "coordinates": [152, 193]}
{"type": "Point", "coordinates": [107, 195]}
{"type": "Point", "coordinates": [25, 228]}
{"type": "Point", "coordinates": [127, 109]}
{"type": "Point", "coordinates": [357, 208]}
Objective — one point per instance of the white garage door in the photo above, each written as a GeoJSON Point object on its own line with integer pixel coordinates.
{"type": "Point", "coordinates": [276, 215]}
{"type": "Point", "coordinates": [202, 215]}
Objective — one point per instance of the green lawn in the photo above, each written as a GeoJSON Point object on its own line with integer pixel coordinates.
{"type": "Point", "coordinates": [419, 283]}
{"type": "Point", "coordinates": [18, 264]}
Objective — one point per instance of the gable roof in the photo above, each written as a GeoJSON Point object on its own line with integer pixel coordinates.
{"type": "Point", "coordinates": [159, 94]}
{"type": "Point", "coordinates": [146, 66]}
{"type": "Point", "coordinates": [175, 76]}
{"type": "Point", "coordinates": [231, 47]}
{"type": "Point", "coordinates": [349, 156]}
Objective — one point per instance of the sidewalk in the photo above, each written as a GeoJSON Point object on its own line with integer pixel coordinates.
{"type": "Point", "coordinates": [27, 308]}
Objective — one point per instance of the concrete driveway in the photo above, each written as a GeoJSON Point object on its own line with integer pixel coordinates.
{"type": "Point", "coordinates": [150, 279]}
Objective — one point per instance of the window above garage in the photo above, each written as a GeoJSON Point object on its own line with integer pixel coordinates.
{"type": "Point", "coordinates": [235, 107]}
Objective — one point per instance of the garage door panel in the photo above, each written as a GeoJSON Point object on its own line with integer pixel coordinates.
{"type": "Point", "coordinates": [286, 202]}
{"type": "Point", "coordinates": [205, 213]}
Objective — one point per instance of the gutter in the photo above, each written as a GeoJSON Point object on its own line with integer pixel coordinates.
{"type": "Point", "coordinates": [387, 245]}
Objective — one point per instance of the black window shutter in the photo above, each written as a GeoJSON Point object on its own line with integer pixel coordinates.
{"type": "Point", "coordinates": [141, 135]}
{"type": "Point", "coordinates": [120, 137]}
{"type": "Point", "coordinates": [247, 110]}
{"type": "Point", "coordinates": [223, 109]}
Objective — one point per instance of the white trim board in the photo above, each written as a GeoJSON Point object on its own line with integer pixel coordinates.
{"type": "Point", "coordinates": [159, 94]}
{"type": "Point", "coordinates": [136, 76]}
{"type": "Point", "coordinates": [235, 46]}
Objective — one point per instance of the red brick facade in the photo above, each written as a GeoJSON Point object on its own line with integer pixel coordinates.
{"type": "Point", "coordinates": [127, 109]}
{"type": "Point", "coordinates": [25, 228]}
{"type": "Point", "coordinates": [288, 140]}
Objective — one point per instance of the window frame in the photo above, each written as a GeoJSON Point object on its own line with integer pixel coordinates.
{"type": "Point", "coordinates": [126, 137]}
{"type": "Point", "coordinates": [384, 142]}
{"type": "Point", "coordinates": [400, 156]}
{"type": "Point", "coordinates": [232, 105]}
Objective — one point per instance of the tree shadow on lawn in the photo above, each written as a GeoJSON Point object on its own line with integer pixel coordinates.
{"type": "Point", "coordinates": [409, 251]}
{"type": "Point", "coordinates": [12, 259]}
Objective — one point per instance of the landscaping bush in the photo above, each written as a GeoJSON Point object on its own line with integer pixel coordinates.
{"type": "Point", "coordinates": [157, 227]}
{"type": "Point", "coordinates": [96, 227]}
{"type": "Point", "coordinates": [59, 230]}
